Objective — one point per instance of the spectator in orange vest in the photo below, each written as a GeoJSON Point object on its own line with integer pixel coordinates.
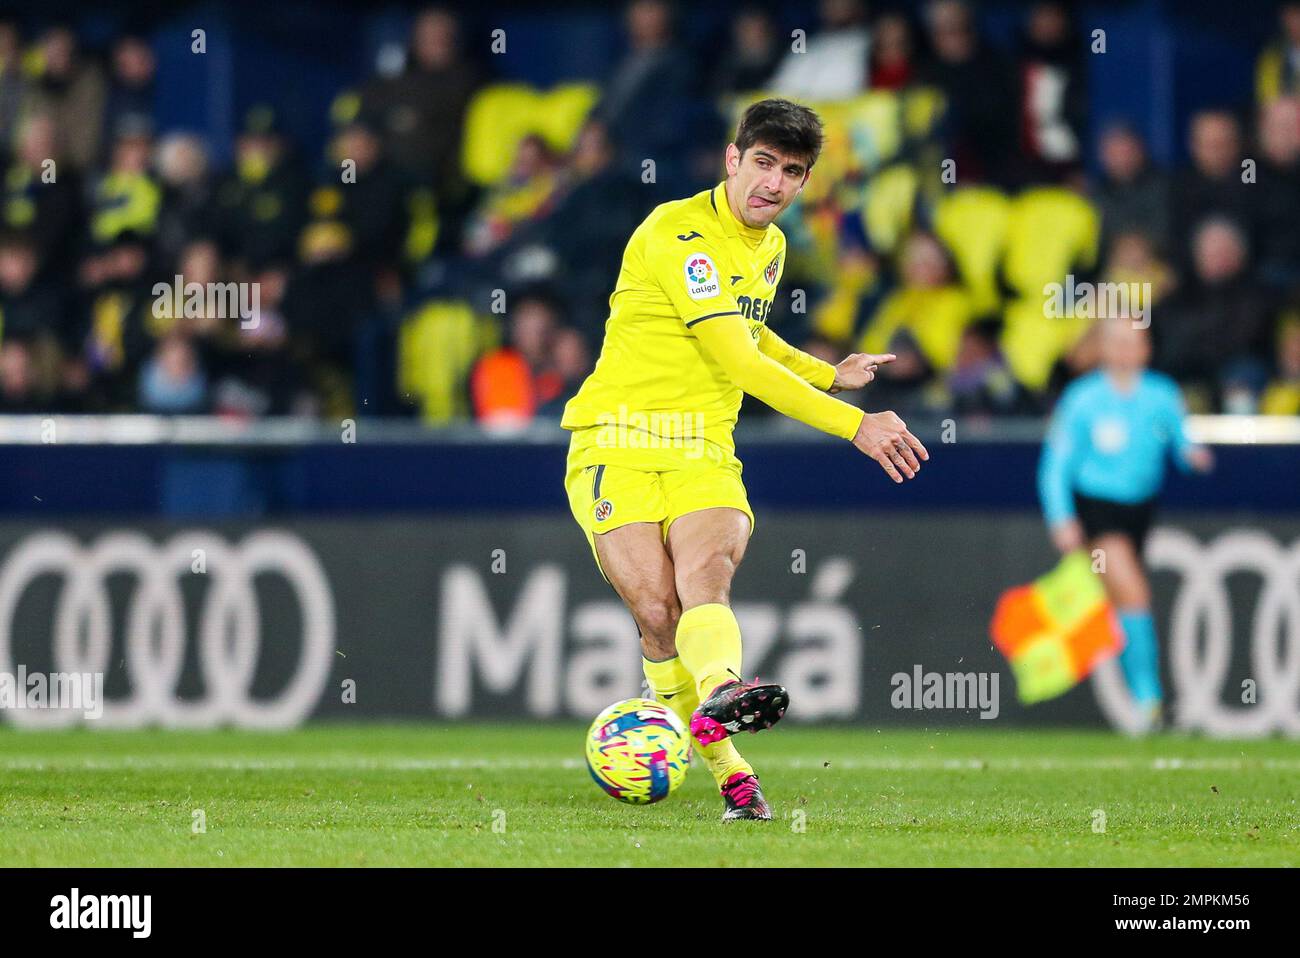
{"type": "Point", "coordinates": [511, 382]}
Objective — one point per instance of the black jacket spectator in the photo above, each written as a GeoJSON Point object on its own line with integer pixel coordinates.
{"type": "Point", "coordinates": [262, 206]}
{"type": "Point", "coordinates": [52, 214]}
{"type": "Point", "coordinates": [595, 212]}
{"type": "Point", "coordinates": [421, 112]}
{"type": "Point", "coordinates": [650, 104]}
{"type": "Point", "coordinates": [980, 131]}
{"type": "Point", "coordinates": [1213, 187]}
{"type": "Point", "coordinates": [1217, 330]}
{"type": "Point", "coordinates": [189, 199]}
{"type": "Point", "coordinates": [1277, 194]}
{"type": "Point", "coordinates": [752, 56]}
{"type": "Point", "coordinates": [131, 83]}
{"type": "Point", "coordinates": [1132, 195]}
{"type": "Point", "coordinates": [373, 205]}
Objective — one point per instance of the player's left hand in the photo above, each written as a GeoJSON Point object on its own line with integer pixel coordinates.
{"type": "Point", "coordinates": [858, 370]}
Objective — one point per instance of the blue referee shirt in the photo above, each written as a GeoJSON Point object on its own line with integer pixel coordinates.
{"type": "Point", "coordinates": [1107, 444]}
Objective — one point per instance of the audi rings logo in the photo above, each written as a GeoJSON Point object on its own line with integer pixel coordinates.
{"type": "Point", "coordinates": [1200, 637]}
{"type": "Point", "coordinates": [228, 629]}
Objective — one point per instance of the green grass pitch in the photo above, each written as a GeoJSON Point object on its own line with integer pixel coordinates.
{"type": "Point", "coordinates": [520, 795]}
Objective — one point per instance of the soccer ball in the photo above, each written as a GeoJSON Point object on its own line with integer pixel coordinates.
{"type": "Point", "coordinates": [638, 751]}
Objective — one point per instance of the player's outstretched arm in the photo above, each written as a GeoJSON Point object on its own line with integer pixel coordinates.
{"type": "Point", "coordinates": [854, 372]}
{"type": "Point", "coordinates": [808, 368]}
{"type": "Point", "coordinates": [882, 436]}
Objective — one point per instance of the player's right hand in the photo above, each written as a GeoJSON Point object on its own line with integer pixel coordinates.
{"type": "Point", "coordinates": [884, 437]}
{"type": "Point", "coordinates": [858, 370]}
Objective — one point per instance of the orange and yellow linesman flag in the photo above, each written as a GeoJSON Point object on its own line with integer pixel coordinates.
{"type": "Point", "coordinates": [1055, 629]}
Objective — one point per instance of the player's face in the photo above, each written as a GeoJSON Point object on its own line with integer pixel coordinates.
{"type": "Point", "coordinates": [763, 182]}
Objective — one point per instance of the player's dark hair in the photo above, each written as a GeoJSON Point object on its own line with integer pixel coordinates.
{"type": "Point", "coordinates": [789, 127]}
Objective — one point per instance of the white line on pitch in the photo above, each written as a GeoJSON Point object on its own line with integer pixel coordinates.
{"type": "Point", "coordinates": [357, 763]}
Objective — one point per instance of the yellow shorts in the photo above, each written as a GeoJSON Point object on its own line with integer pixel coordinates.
{"type": "Point", "coordinates": [609, 488]}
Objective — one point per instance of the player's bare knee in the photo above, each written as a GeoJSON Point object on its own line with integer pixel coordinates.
{"type": "Point", "coordinates": [657, 619]}
{"type": "Point", "coordinates": [706, 578]}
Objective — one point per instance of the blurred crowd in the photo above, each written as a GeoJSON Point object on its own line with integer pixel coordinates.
{"type": "Point", "coordinates": [390, 279]}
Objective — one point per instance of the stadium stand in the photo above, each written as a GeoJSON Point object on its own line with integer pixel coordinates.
{"type": "Point", "coordinates": [931, 225]}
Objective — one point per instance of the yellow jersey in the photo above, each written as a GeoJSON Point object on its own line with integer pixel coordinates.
{"type": "Point", "coordinates": [691, 263]}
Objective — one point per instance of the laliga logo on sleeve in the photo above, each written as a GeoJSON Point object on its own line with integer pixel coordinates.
{"type": "Point", "coordinates": [701, 277]}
